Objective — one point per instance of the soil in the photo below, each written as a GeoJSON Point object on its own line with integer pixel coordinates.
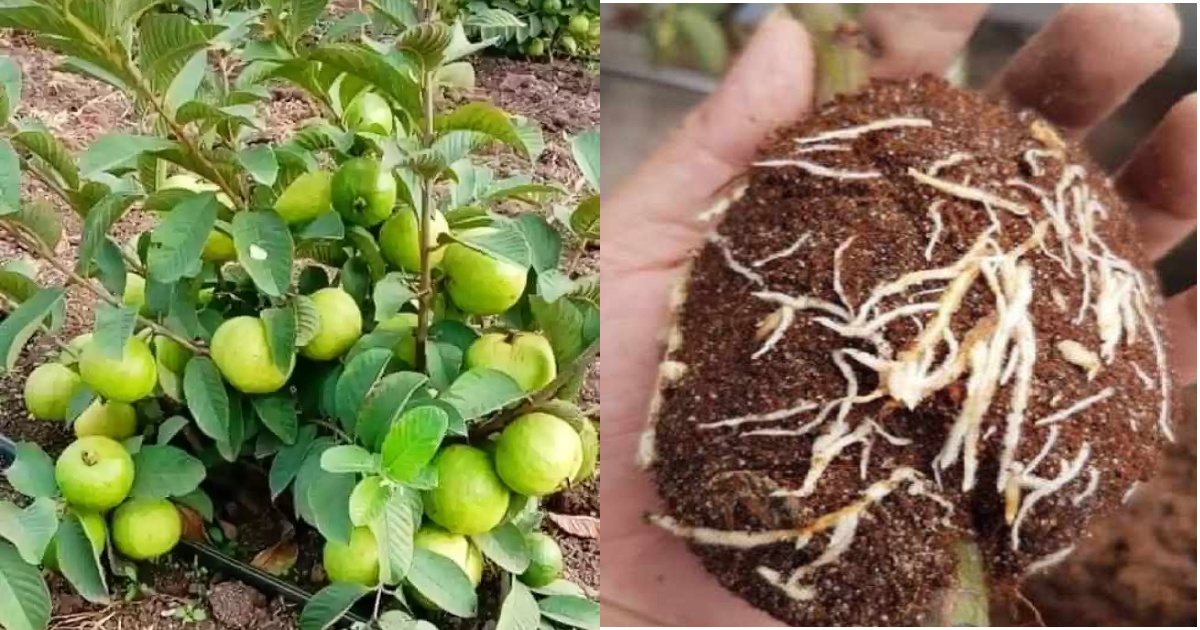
{"type": "Point", "coordinates": [561, 96]}
{"type": "Point", "coordinates": [890, 551]}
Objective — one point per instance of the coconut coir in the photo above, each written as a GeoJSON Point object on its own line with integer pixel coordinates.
{"type": "Point", "coordinates": [920, 318]}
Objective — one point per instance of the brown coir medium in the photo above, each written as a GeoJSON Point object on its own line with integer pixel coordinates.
{"type": "Point", "coordinates": [921, 318]}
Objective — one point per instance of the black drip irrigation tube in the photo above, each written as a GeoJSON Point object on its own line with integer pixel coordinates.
{"type": "Point", "coordinates": [216, 560]}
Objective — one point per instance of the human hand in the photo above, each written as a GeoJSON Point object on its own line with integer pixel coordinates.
{"type": "Point", "coordinates": [651, 578]}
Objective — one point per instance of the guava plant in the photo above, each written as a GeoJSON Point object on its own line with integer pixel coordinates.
{"type": "Point", "coordinates": [357, 307]}
{"type": "Point", "coordinates": [555, 28]}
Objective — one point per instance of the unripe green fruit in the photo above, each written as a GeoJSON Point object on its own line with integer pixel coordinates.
{"type": "Point", "coordinates": [144, 529]}
{"type": "Point", "coordinates": [537, 454]}
{"type": "Point", "coordinates": [369, 112]}
{"type": "Point", "coordinates": [129, 378]}
{"type": "Point", "coordinates": [454, 547]}
{"type": "Point", "coordinates": [545, 560]}
{"type": "Point", "coordinates": [116, 420]}
{"type": "Point", "coordinates": [526, 357]}
{"type": "Point", "coordinates": [579, 25]}
{"type": "Point", "coordinates": [356, 563]}
{"type": "Point", "coordinates": [399, 244]}
{"type": "Point", "coordinates": [535, 48]}
{"type": "Point", "coordinates": [48, 391]}
{"type": "Point", "coordinates": [341, 325]}
{"type": "Point", "coordinates": [469, 498]}
{"type": "Point", "coordinates": [240, 350]}
{"type": "Point", "coordinates": [406, 347]}
{"type": "Point", "coordinates": [94, 473]}
{"type": "Point", "coordinates": [480, 284]}
{"type": "Point", "coordinates": [306, 198]}
{"type": "Point", "coordinates": [135, 292]}
{"type": "Point", "coordinates": [218, 248]}
{"type": "Point", "coordinates": [569, 45]}
{"type": "Point", "coordinates": [362, 192]}
{"type": "Point", "coordinates": [171, 354]}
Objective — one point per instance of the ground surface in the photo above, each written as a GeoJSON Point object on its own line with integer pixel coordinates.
{"type": "Point", "coordinates": [561, 96]}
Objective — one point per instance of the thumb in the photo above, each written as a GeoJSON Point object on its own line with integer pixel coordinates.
{"type": "Point", "coordinates": [652, 214]}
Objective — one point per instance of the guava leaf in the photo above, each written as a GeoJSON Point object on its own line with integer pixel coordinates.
{"type": "Point", "coordinates": [412, 442]}
{"type": "Point", "coordinates": [385, 403]}
{"type": "Point", "coordinates": [178, 240]}
{"type": "Point", "coordinates": [79, 561]}
{"type": "Point", "coordinates": [454, 333]}
{"type": "Point", "coordinates": [394, 527]}
{"type": "Point", "coordinates": [327, 226]}
{"type": "Point", "coordinates": [443, 361]}
{"type": "Point", "coordinates": [31, 528]}
{"type": "Point", "coordinates": [165, 471]}
{"type": "Point", "coordinates": [356, 381]}
{"type": "Point", "coordinates": [374, 69]}
{"type": "Point", "coordinates": [443, 582]}
{"type": "Point", "coordinates": [281, 327]}
{"type": "Point", "coordinates": [100, 219]}
{"type": "Point", "coordinates": [560, 587]}
{"type": "Point", "coordinates": [278, 413]}
{"type": "Point", "coordinates": [545, 243]}
{"type": "Point", "coordinates": [259, 160]}
{"type": "Point", "coordinates": [10, 89]}
{"type": "Point", "coordinates": [585, 147]}
{"type": "Point", "coordinates": [391, 294]}
{"type": "Point", "coordinates": [32, 472]}
{"type": "Point", "coordinates": [117, 150]}
{"type": "Point", "coordinates": [519, 610]}
{"type": "Point", "coordinates": [23, 321]}
{"type": "Point", "coordinates": [329, 604]}
{"type": "Point", "coordinates": [348, 458]}
{"type": "Point", "coordinates": [329, 500]}
{"type": "Point", "coordinates": [206, 397]}
{"type": "Point", "coordinates": [505, 242]}
{"type": "Point", "coordinates": [585, 220]}
{"type": "Point", "coordinates": [480, 391]}
{"type": "Point", "coordinates": [505, 545]}
{"type": "Point", "coordinates": [265, 249]}
{"type": "Point", "coordinates": [310, 469]}
{"type": "Point", "coordinates": [199, 501]}
{"type": "Point", "coordinates": [110, 267]}
{"type": "Point", "coordinates": [368, 249]}
{"type": "Point", "coordinates": [52, 151]}
{"type": "Point", "coordinates": [24, 597]}
{"type": "Point", "coordinates": [367, 500]}
{"type": "Point", "coordinates": [562, 323]}
{"type": "Point", "coordinates": [577, 612]}
{"type": "Point", "coordinates": [485, 118]}
{"type": "Point", "coordinates": [287, 462]}
{"type": "Point", "coordinates": [114, 327]}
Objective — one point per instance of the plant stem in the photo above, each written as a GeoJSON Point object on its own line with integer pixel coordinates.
{"type": "Point", "coordinates": [965, 603]}
{"type": "Point", "coordinates": [100, 292]}
{"type": "Point", "coordinates": [335, 430]}
{"type": "Point", "coordinates": [378, 601]}
{"type": "Point", "coordinates": [842, 59]}
{"type": "Point", "coordinates": [542, 395]}
{"type": "Point", "coordinates": [425, 290]}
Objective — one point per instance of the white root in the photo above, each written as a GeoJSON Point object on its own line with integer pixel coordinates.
{"type": "Point", "coordinates": [936, 217]}
{"type": "Point", "coordinates": [1079, 406]}
{"type": "Point", "coordinates": [783, 253]}
{"type": "Point", "coordinates": [1078, 354]}
{"type": "Point", "coordinates": [812, 168]}
{"type": "Point", "coordinates": [850, 133]}
{"type": "Point", "coordinates": [773, 416]}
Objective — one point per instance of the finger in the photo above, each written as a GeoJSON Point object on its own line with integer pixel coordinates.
{"type": "Point", "coordinates": [769, 85]}
{"type": "Point", "coordinates": [1088, 60]}
{"type": "Point", "coordinates": [1180, 312]}
{"type": "Point", "coordinates": [912, 39]}
{"type": "Point", "coordinates": [1159, 180]}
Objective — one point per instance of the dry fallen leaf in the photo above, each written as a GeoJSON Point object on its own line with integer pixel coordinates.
{"type": "Point", "coordinates": [578, 526]}
{"type": "Point", "coordinates": [277, 559]}
{"type": "Point", "coordinates": [193, 524]}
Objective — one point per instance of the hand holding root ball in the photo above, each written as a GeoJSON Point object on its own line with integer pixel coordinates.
{"type": "Point", "coordinates": [653, 579]}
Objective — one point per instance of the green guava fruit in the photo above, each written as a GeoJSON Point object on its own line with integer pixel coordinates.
{"type": "Point", "coordinates": [579, 25]}
{"type": "Point", "coordinates": [362, 192]}
{"type": "Point", "coordinates": [369, 112]}
{"type": "Point", "coordinates": [469, 498]}
{"type": "Point", "coordinates": [545, 560]}
{"type": "Point", "coordinates": [127, 379]}
{"type": "Point", "coordinates": [135, 293]}
{"type": "Point", "coordinates": [144, 529]}
{"type": "Point", "coordinates": [49, 389]}
{"type": "Point", "coordinates": [94, 473]}
{"type": "Point", "coordinates": [399, 243]}
{"type": "Point", "coordinates": [171, 354]}
{"type": "Point", "coordinates": [341, 325]}
{"type": "Point", "coordinates": [306, 198]}
{"type": "Point", "coordinates": [537, 454]}
{"type": "Point", "coordinates": [218, 248]}
{"type": "Point", "coordinates": [405, 323]}
{"type": "Point", "coordinates": [457, 548]}
{"type": "Point", "coordinates": [116, 420]}
{"type": "Point", "coordinates": [480, 284]}
{"type": "Point", "coordinates": [357, 563]}
{"type": "Point", "coordinates": [526, 357]}
{"type": "Point", "coordinates": [240, 350]}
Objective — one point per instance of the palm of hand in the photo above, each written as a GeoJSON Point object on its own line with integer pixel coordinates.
{"type": "Point", "coordinates": [652, 578]}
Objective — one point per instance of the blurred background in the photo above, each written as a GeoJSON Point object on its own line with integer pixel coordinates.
{"type": "Point", "coordinates": [1139, 569]}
